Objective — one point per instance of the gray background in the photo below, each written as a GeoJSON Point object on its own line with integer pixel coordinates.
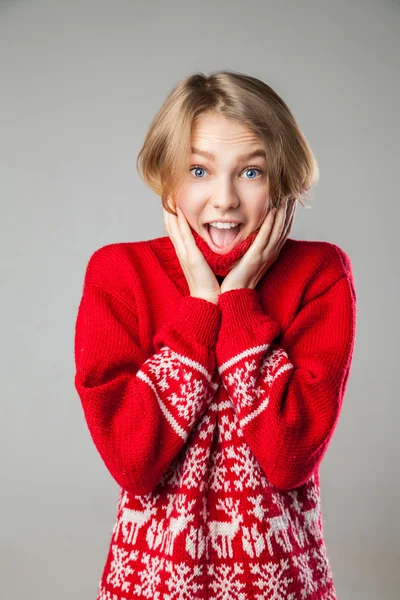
{"type": "Point", "coordinates": [79, 84]}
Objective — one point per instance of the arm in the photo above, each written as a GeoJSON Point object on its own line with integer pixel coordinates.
{"type": "Point", "coordinates": [140, 409]}
{"type": "Point", "coordinates": [288, 397]}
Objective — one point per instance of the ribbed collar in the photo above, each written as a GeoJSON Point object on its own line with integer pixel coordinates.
{"type": "Point", "coordinates": [219, 263]}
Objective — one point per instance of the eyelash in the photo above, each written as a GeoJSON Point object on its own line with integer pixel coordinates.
{"type": "Point", "coordinates": [261, 171]}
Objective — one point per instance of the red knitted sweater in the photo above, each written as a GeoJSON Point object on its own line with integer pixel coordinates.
{"type": "Point", "coordinates": [213, 419]}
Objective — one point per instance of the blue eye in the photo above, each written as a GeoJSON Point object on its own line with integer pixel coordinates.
{"type": "Point", "coordinates": [253, 169]}
{"type": "Point", "coordinates": [198, 168]}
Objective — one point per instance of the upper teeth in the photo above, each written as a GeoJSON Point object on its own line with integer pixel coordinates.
{"type": "Point", "coordinates": [221, 225]}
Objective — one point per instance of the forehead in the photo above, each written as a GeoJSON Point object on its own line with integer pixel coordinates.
{"type": "Point", "coordinates": [257, 153]}
{"type": "Point", "coordinates": [220, 128]}
{"type": "Point", "coordinates": [216, 134]}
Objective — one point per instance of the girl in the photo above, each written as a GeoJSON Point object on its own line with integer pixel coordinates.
{"type": "Point", "coordinates": [212, 363]}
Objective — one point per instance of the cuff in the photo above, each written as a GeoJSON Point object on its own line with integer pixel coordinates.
{"type": "Point", "coordinates": [199, 319]}
{"type": "Point", "coordinates": [244, 322]}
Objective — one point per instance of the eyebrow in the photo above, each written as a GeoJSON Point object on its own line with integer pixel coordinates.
{"type": "Point", "coordinates": [249, 156]}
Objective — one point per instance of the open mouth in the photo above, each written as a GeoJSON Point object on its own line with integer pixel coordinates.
{"type": "Point", "coordinates": [225, 247]}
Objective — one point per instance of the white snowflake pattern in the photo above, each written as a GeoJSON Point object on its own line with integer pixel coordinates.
{"type": "Point", "coordinates": [229, 426]}
{"type": "Point", "coordinates": [190, 398]}
{"type": "Point", "coordinates": [245, 467]}
{"type": "Point", "coordinates": [104, 594]}
{"type": "Point", "coordinates": [241, 384]}
{"type": "Point", "coordinates": [120, 567]}
{"type": "Point", "coordinates": [253, 379]}
{"type": "Point", "coordinates": [272, 581]}
{"type": "Point", "coordinates": [306, 575]}
{"type": "Point", "coordinates": [191, 471]}
{"type": "Point", "coordinates": [206, 425]}
{"type": "Point", "coordinates": [185, 582]}
{"type": "Point", "coordinates": [218, 473]}
{"type": "Point", "coordinates": [273, 359]}
{"type": "Point", "coordinates": [165, 365]}
{"type": "Point", "coordinates": [225, 582]}
{"type": "Point", "coordinates": [150, 577]}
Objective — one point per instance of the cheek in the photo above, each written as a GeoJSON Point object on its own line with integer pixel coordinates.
{"type": "Point", "coordinates": [255, 198]}
{"type": "Point", "coordinates": [191, 211]}
{"type": "Point", "coordinates": [190, 205]}
{"type": "Point", "coordinates": [259, 214]}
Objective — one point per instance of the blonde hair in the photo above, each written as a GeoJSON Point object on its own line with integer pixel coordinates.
{"type": "Point", "coordinates": [163, 160]}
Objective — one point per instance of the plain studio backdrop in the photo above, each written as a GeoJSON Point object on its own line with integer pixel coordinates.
{"type": "Point", "coordinates": [80, 82]}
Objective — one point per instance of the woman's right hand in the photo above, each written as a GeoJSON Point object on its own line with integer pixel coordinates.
{"type": "Point", "coordinates": [199, 275]}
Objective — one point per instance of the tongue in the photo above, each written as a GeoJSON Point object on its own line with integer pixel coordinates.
{"type": "Point", "coordinates": [223, 237]}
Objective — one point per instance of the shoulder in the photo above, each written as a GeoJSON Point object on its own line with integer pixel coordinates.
{"type": "Point", "coordinates": [116, 268]}
{"type": "Point", "coordinates": [317, 264]}
{"type": "Point", "coordinates": [319, 253]}
{"type": "Point", "coordinates": [109, 261]}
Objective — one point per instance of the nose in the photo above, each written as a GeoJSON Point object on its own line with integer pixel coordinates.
{"type": "Point", "coordinates": [225, 196]}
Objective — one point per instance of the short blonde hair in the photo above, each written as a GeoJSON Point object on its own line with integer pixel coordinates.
{"type": "Point", "coordinates": [163, 160]}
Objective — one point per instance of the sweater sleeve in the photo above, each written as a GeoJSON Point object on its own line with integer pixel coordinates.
{"type": "Point", "coordinates": [140, 409]}
{"type": "Point", "coordinates": [288, 396]}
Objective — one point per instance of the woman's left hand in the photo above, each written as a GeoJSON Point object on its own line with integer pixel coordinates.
{"type": "Point", "coordinates": [264, 250]}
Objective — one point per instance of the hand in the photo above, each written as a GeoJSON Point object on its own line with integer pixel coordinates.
{"type": "Point", "coordinates": [199, 275]}
{"type": "Point", "coordinates": [264, 250]}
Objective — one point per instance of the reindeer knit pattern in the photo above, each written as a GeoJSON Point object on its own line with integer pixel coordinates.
{"type": "Point", "coordinates": [213, 419]}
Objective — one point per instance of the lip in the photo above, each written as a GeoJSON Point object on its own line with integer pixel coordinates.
{"type": "Point", "coordinates": [226, 249]}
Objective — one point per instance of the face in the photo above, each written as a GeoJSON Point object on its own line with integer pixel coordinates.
{"type": "Point", "coordinates": [223, 183]}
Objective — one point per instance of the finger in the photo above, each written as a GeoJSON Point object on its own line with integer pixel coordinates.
{"type": "Point", "coordinates": [288, 226]}
{"type": "Point", "coordinates": [286, 232]}
{"type": "Point", "coordinates": [261, 239]}
{"type": "Point", "coordinates": [288, 214]}
{"type": "Point", "coordinates": [166, 222]}
{"type": "Point", "coordinates": [185, 231]}
{"type": "Point", "coordinates": [276, 228]}
{"type": "Point", "coordinates": [175, 234]}
{"type": "Point", "coordinates": [167, 216]}
{"type": "Point", "coordinates": [291, 215]}
{"type": "Point", "coordinates": [175, 221]}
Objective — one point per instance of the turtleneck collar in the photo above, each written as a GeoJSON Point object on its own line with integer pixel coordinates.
{"type": "Point", "coordinates": [220, 264]}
